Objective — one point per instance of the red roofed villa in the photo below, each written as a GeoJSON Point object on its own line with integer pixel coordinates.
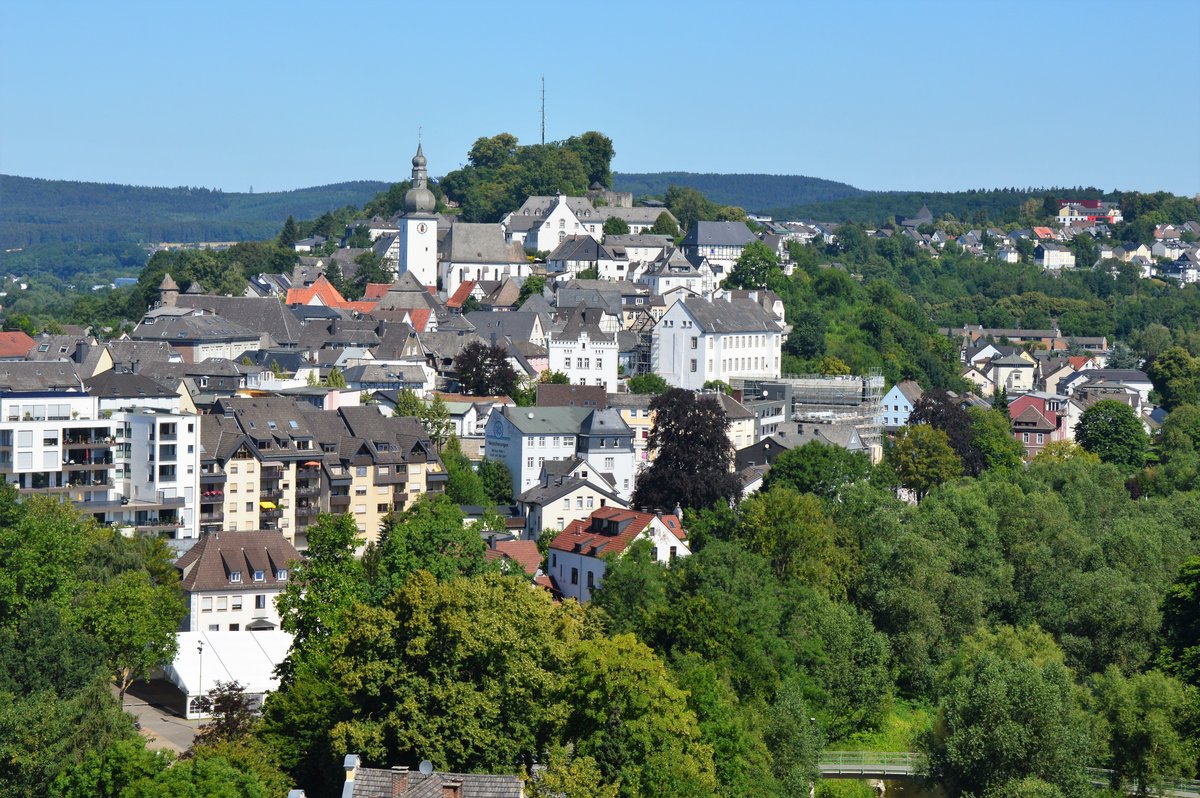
{"type": "Point", "coordinates": [577, 555]}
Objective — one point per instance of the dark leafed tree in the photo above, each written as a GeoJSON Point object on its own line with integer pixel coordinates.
{"type": "Point", "coordinates": [940, 410]}
{"type": "Point", "coordinates": [1176, 377]}
{"type": "Point", "coordinates": [1181, 623]}
{"type": "Point", "coordinates": [753, 267]}
{"type": "Point", "coordinates": [818, 468]}
{"type": "Point", "coordinates": [230, 713]}
{"type": "Point", "coordinates": [616, 226]}
{"type": "Point", "coordinates": [1113, 431]}
{"type": "Point", "coordinates": [333, 273]}
{"type": "Point", "coordinates": [533, 285]}
{"type": "Point", "coordinates": [664, 225]}
{"type": "Point", "coordinates": [692, 464]}
{"type": "Point", "coordinates": [596, 152]}
{"type": "Point", "coordinates": [289, 234]}
{"type": "Point", "coordinates": [371, 269]}
{"type": "Point", "coordinates": [485, 371]}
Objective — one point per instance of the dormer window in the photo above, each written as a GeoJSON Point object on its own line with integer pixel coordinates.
{"type": "Point", "coordinates": [281, 574]}
{"type": "Point", "coordinates": [260, 576]}
{"type": "Point", "coordinates": [235, 576]}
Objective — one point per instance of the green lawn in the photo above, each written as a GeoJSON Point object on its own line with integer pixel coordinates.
{"type": "Point", "coordinates": [898, 732]}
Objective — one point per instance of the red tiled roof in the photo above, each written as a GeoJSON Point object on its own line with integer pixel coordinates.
{"type": "Point", "coordinates": [1043, 232]}
{"type": "Point", "coordinates": [579, 537]}
{"type": "Point", "coordinates": [376, 291]}
{"type": "Point", "coordinates": [523, 552]}
{"type": "Point", "coordinates": [1079, 361]}
{"type": "Point", "coordinates": [361, 306]}
{"type": "Point", "coordinates": [320, 289]}
{"type": "Point", "coordinates": [460, 295]}
{"type": "Point", "coordinates": [15, 344]}
{"type": "Point", "coordinates": [418, 318]}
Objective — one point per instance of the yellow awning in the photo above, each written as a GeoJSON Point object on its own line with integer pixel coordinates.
{"type": "Point", "coordinates": [267, 505]}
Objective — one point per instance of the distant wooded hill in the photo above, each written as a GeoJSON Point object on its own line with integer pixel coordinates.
{"type": "Point", "coordinates": [754, 193]}
{"type": "Point", "coordinates": [1000, 205]}
{"type": "Point", "coordinates": [36, 211]}
{"type": "Point", "coordinates": [799, 197]}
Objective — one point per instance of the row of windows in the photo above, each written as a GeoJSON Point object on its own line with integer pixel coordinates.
{"type": "Point", "coordinates": [540, 441]}
{"type": "Point", "coordinates": [259, 576]}
{"type": "Point", "coordinates": [233, 603]}
{"type": "Point", "coordinates": [1041, 437]}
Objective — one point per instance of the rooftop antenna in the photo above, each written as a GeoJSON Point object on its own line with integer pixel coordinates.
{"type": "Point", "coordinates": [543, 110]}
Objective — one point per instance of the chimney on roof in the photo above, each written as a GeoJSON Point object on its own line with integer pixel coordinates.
{"type": "Point", "coordinates": [350, 765]}
{"type": "Point", "coordinates": [658, 513]}
{"type": "Point", "coordinates": [399, 781]}
{"type": "Point", "coordinates": [452, 789]}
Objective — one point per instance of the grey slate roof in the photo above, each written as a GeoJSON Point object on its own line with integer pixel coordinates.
{"type": "Point", "coordinates": [28, 376]}
{"type": "Point", "coordinates": [730, 315]}
{"type": "Point", "coordinates": [638, 240]}
{"type": "Point", "coordinates": [125, 353]}
{"type": "Point", "coordinates": [718, 234]}
{"type": "Point", "coordinates": [124, 385]}
{"type": "Point", "coordinates": [185, 329]}
{"type": "Point", "coordinates": [377, 783]}
{"type": "Point", "coordinates": [580, 320]}
{"type": "Point", "coordinates": [607, 421]}
{"type": "Point", "coordinates": [554, 488]}
{"type": "Point", "coordinates": [480, 243]}
{"type": "Point", "coordinates": [515, 324]}
{"type": "Point", "coordinates": [584, 248]}
{"type": "Point", "coordinates": [265, 314]}
{"type": "Point", "coordinates": [546, 420]}
{"type": "Point", "coordinates": [637, 215]}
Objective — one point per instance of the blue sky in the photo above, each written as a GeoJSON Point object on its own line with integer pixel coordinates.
{"type": "Point", "coordinates": [882, 95]}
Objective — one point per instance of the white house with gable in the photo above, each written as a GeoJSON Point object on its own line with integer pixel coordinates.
{"type": "Point", "coordinates": [577, 557]}
{"type": "Point", "coordinates": [583, 351]}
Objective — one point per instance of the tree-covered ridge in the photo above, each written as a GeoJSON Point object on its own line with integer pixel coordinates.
{"type": "Point", "coordinates": [999, 206]}
{"type": "Point", "coordinates": [754, 192]}
{"type": "Point", "coordinates": [38, 211]}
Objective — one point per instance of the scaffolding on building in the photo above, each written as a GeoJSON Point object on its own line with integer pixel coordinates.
{"type": "Point", "coordinates": [855, 400]}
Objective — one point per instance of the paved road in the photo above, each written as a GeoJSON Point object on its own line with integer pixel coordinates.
{"type": "Point", "coordinates": [151, 704]}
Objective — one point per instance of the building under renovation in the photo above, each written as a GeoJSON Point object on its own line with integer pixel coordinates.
{"type": "Point", "coordinates": [795, 401]}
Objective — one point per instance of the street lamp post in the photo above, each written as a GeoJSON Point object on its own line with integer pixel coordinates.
{"type": "Point", "coordinates": [200, 667]}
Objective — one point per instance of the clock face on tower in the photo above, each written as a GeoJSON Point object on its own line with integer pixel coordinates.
{"type": "Point", "coordinates": [421, 228]}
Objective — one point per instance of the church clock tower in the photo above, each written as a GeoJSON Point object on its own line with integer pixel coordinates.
{"type": "Point", "coordinates": [418, 227]}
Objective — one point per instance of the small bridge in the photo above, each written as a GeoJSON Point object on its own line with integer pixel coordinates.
{"type": "Point", "coordinates": [903, 765]}
{"type": "Point", "coordinates": [869, 765]}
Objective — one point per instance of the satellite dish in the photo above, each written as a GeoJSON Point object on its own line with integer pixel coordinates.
{"type": "Point", "coordinates": [426, 767]}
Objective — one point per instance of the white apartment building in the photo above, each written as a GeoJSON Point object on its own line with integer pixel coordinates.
{"type": "Point", "coordinates": [137, 469]}
{"type": "Point", "coordinates": [526, 438]}
{"type": "Point", "coordinates": [698, 340]}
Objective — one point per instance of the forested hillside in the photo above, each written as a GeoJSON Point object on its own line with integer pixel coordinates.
{"type": "Point", "coordinates": [1000, 205]}
{"type": "Point", "coordinates": [754, 193]}
{"type": "Point", "coordinates": [39, 211]}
